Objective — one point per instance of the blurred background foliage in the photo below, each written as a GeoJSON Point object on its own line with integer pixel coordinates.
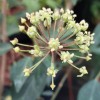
{"type": "Point", "coordinates": [18, 87]}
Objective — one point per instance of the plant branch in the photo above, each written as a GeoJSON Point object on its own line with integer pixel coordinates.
{"type": "Point", "coordinates": [4, 38]}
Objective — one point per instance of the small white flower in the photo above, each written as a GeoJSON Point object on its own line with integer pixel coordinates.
{"type": "Point", "coordinates": [84, 26]}
{"type": "Point", "coordinates": [88, 57]}
{"type": "Point", "coordinates": [66, 56]}
{"type": "Point", "coordinates": [54, 44]}
{"type": "Point", "coordinates": [56, 15]}
{"type": "Point", "coordinates": [62, 10]}
{"type": "Point", "coordinates": [36, 51]}
{"type": "Point", "coordinates": [83, 71]}
{"type": "Point", "coordinates": [32, 32]}
{"type": "Point", "coordinates": [51, 71]}
{"type": "Point", "coordinates": [35, 18]}
{"type": "Point", "coordinates": [84, 48]}
{"type": "Point", "coordinates": [28, 15]}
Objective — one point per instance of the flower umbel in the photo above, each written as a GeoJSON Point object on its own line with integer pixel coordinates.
{"type": "Point", "coordinates": [49, 31]}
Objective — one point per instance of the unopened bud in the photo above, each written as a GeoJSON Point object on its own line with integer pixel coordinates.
{"type": "Point", "coordinates": [16, 49]}
{"type": "Point", "coordinates": [28, 16]}
{"type": "Point", "coordinates": [14, 42]}
{"type": "Point", "coordinates": [23, 20]}
{"type": "Point", "coordinates": [21, 28]}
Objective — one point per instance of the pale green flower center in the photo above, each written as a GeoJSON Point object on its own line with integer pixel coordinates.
{"type": "Point", "coordinates": [54, 44]}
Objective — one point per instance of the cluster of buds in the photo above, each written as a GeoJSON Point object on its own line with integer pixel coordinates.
{"type": "Point", "coordinates": [48, 30]}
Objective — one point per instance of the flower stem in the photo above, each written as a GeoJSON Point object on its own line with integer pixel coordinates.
{"type": "Point", "coordinates": [40, 29]}
{"type": "Point", "coordinates": [68, 37]}
{"type": "Point", "coordinates": [69, 44]}
{"type": "Point", "coordinates": [55, 22]}
{"type": "Point", "coordinates": [24, 50]}
{"type": "Point", "coordinates": [26, 24]}
{"type": "Point", "coordinates": [80, 57]}
{"type": "Point", "coordinates": [24, 45]}
{"type": "Point", "coordinates": [73, 65]}
{"type": "Point", "coordinates": [37, 64]}
{"type": "Point", "coordinates": [69, 49]}
{"type": "Point", "coordinates": [42, 39]}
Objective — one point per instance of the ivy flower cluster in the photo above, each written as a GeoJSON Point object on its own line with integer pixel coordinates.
{"type": "Point", "coordinates": [50, 32]}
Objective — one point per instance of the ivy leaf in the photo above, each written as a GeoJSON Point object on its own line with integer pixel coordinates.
{"type": "Point", "coordinates": [96, 47]}
{"type": "Point", "coordinates": [95, 65]}
{"type": "Point", "coordinates": [4, 48]}
{"type": "Point", "coordinates": [90, 91]}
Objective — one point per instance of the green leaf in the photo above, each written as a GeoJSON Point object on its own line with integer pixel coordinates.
{"type": "Point", "coordinates": [30, 88]}
{"type": "Point", "coordinates": [90, 91]}
{"type": "Point", "coordinates": [95, 9]}
{"type": "Point", "coordinates": [94, 63]}
{"type": "Point", "coordinates": [96, 47]}
{"type": "Point", "coordinates": [4, 48]}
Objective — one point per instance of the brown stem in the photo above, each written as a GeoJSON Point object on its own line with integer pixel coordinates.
{"type": "Point", "coordinates": [48, 32]}
{"type": "Point", "coordinates": [4, 38]}
{"type": "Point", "coordinates": [69, 44]}
{"type": "Point", "coordinates": [70, 49]}
{"type": "Point", "coordinates": [53, 59]}
{"type": "Point", "coordinates": [60, 25]}
{"type": "Point", "coordinates": [54, 27]}
{"type": "Point", "coordinates": [42, 33]}
{"type": "Point", "coordinates": [70, 87]}
{"type": "Point", "coordinates": [68, 37]}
